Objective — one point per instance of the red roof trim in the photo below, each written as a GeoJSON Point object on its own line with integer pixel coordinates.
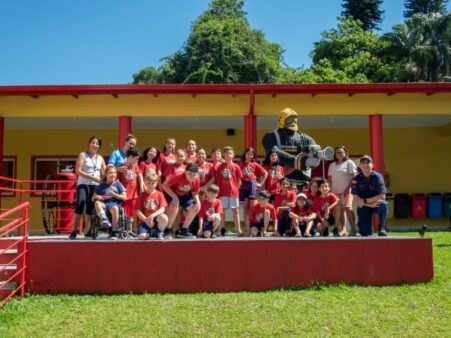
{"type": "Point", "coordinates": [312, 89]}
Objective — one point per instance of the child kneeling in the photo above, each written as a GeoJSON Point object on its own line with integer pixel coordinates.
{"type": "Point", "coordinates": [209, 216]}
{"type": "Point", "coordinates": [261, 214]}
{"type": "Point", "coordinates": [150, 208]}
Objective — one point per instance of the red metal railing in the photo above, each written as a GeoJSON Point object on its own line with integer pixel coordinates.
{"type": "Point", "coordinates": [50, 195]}
{"type": "Point", "coordinates": [18, 223]}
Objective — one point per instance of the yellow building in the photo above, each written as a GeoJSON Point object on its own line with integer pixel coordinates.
{"type": "Point", "coordinates": [405, 127]}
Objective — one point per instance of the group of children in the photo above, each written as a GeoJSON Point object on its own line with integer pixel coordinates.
{"type": "Point", "coordinates": [182, 185]}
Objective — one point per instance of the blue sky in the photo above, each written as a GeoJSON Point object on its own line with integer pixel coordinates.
{"type": "Point", "coordinates": [106, 41]}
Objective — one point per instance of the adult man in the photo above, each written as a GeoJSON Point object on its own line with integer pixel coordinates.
{"type": "Point", "coordinates": [369, 190]}
{"type": "Point", "coordinates": [293, 148]}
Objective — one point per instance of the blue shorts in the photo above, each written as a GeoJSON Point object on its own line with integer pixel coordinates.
{"type": "Point", "coordinates": [143, 228]}
{"type": "Point", "coordinates": [207, 226]}
{"type": "Point", "coordinates": [110, 204]}
{"type": "Point", "coordinates": [185, 200]}
{"type": "Point", "coordinates": [248, 189]}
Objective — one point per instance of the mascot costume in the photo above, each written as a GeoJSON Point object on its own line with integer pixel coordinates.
{"type": "Point", "coordinates": [297, 152]}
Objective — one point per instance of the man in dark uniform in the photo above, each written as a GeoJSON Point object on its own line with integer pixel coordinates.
{"type": "Point", "coordinates": [369, 190]}
{"type": "Point", "coordinates": [296, 151]}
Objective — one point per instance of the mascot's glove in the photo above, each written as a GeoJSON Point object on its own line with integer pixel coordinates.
{"type": "Point", "coordinates": [303, 162]}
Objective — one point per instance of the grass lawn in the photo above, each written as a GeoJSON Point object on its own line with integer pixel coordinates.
{"type": "Point", "coordinates": [421, 310]}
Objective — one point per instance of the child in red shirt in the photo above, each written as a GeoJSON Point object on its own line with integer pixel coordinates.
{"type": "Point", "coordinates": [303, 217]}
{"type": "Point", "coordinates": [150, 208]}
{"type": "Point", "coordinates": [191, 151]}
{"type": "Point", "coordinates": [254, 177]}
{"type": "Point", "coordinates": [204, 166]}
{"type": "Point", "coordinates": [261, 214]}
{"type": "Point", "coordinates": [275, 173]}
{"type": "Point", "coordinates": [131, 180]}
{"type": "Point", "coordinates": [182, 190]}
{"type": "Point", "coordinates": [166, 158]}
{"type": "Point", "coordinates": [148, 164]}
{"type": "Point", "coordinates": [228, 178]}
{"type": "Point", "coordinates": [283, 202]}
{"type": "Point", "coordinates": [210, 214]}
{"type": "Point", "coordinates": [324, 207]}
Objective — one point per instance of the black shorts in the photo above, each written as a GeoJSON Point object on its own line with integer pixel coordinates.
{"type": "Point", "coordinates": [84, 199]}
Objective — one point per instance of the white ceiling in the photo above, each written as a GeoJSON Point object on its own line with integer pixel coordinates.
{"type": "Point", "coordinates": [307, 122]}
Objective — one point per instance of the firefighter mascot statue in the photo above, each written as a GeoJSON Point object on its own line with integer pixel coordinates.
{"type": "Point", "coordinates": [297, 152]}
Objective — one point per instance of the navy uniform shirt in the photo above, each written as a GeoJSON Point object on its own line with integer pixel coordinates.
{"type": "Point", "coordinates": [367, 187]}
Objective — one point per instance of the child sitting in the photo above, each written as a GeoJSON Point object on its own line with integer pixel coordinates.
{"type": "Point", "coordinates": [150, 208]}
{"type": "Point", "coordinates": [324, 207]}
{"type": "Point", "coordinates": [261, 214]}
{"type": "Point", "coordinates": [108, 196]}
{"type": "Point", "coordinates": [303, 217]}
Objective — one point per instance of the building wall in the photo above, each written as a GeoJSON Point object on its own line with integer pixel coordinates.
{"type": "Point", "coordinates": [417, 159]}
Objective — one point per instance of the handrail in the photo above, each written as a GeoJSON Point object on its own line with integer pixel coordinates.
{"type": "Point", "coordinates": [19, 259]}
{"type": "Point", "coordinates": [16, 209]}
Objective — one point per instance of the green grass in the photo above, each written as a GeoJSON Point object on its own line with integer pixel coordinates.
{"type": "Point", "coordinates": [421, 310]}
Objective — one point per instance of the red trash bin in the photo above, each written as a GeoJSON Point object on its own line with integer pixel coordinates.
{"type": "Point", "coordinates": [418, 205]}
{"type": "Point", "coordinates": [66, 200]}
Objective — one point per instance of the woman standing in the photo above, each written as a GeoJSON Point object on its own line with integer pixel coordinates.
{"type": "Point", "coordinates": [340, 175]}
{"type": "Point", "coordinates": [90, 166]}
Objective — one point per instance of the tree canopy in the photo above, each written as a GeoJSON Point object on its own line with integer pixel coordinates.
{"type": "Point", "coordinates": [424, 7]}
{"type": "Point", "coordinates": [221, 48]}
{"type": "Point", "coordinates": [366, 11]}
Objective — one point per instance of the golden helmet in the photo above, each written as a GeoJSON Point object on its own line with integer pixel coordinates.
{"type": "Point", "coordinates": [284, 115]}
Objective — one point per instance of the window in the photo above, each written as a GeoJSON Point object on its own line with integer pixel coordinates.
{"type": "Point", "coordinates": [8, 170]}
{"type": "Point", "coordinates": [49, 167]}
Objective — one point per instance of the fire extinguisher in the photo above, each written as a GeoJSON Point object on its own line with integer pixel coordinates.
{"type": "Point", "coordinates": [65, 212]}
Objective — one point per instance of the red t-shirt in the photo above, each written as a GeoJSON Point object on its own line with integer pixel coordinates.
{"type": "Point", "coordinates": [251, 170]}
{"type": "Point", "coordinates": [204, 170]}
{"type": "Point", "coordinates": [165, 163]}
{"type": "Point", "coordinates": [210, 208]}
{"type": "Point", "coordinates": [282, 200]}
{"type": "Point", "coordinates": [309, 195]}
{"type": "Point", "coordinates": [256, 213]}
{"type": "Point", "coordinates": [275, 174]}
{"type": "Point", "coordinates": [130, 180]}
{"type": "Point", "coordinates": [322, 203]}
{"type": "Point", "coordinates": [175, 170]}
{"type": "Point", "coordinates": [148, 168]}
{"type": "Point", "coordinates": [228, 175]}
{"type": "Point", "coordinates": [302, 212]}
{"type": "Point", "coordinates": [181, 186]}
{"type": "Point", "coordinates": [191, 158]}
{"type": "Point", "coordinates": [148, 203]}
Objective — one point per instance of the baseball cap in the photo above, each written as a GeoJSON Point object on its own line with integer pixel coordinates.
{"type": "Point", "coordinates": [302, 195]}
{"type": "Point", "coordinates": [366, 157]}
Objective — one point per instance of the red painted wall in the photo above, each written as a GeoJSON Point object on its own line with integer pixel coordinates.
{"type": "Point", "coordinates": [224, 265]}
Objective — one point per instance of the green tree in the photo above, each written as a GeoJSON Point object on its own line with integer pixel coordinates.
{"type": "Point", "coordinates": [221, 48]}
{"type": "Point", "coordinates": [357, 53]}
{"type": "Point", "coordinates": [367, 11]}
{"type": "Point", "coordinates": [424, 7]}
{"type": "Point", "coordinates": [147, 75]}
{"type": "Point", "coordinates": [424, 43]}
